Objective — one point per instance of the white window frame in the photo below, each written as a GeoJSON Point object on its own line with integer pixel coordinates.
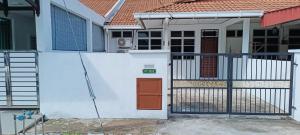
{"type": "Point", "coordinates": [294, 37]}
{"type": "Point", "coordinates": [266, 37]}
{"type": "Point", "coordinates": [149, 38]}
{"type": "Point", "coordinates": [182, 38]}
{"type": "Point", "coordinates": [235, 33]}
{"type": "Point", "coordinates": [122, 33]}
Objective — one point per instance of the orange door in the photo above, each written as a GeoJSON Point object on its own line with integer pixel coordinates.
{"type": "Point", "coordinates": [149, 93]}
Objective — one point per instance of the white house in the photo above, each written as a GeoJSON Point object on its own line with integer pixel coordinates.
{"type": "Point", "coordinates": [227, 57]}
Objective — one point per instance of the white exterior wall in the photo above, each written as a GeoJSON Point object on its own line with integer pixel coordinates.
{"type": "Point", "coordinates": [64, 93]}
{"type": "Point", "coordinates": [296, 90]}
{"type": "Point", "coordinates": [43, 22]}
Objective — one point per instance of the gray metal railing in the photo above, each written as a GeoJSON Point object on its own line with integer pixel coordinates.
{"type": "Point", "coordinates": [19, 80]}
{"type": "Point", "coordinates": [241, 84]}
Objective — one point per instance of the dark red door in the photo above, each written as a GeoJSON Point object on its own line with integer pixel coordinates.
{"type": "Point", "coordinates": [208, 67]}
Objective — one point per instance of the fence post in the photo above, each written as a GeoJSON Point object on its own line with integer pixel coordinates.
{"type": "Point", "coordinates": [229, 83]}
{"type": "Point", "coordinates": [7, 78]}
{"type": "Point", "coordinates": [172, 83]}
{"type": "Point", "coordinates": [291, 83]}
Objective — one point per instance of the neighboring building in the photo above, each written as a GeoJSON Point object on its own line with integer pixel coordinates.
{"type": "Point", "coordinates": [136, 20]}
{"type": "Point", "coordinates": [220, 49]}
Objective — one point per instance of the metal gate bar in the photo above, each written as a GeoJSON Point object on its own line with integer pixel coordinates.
{"type": "Point", "coordinates": [247, 84]}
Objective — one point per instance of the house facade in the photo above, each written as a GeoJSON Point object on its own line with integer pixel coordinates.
{"type": "Point", "coordinates": [227, 57]}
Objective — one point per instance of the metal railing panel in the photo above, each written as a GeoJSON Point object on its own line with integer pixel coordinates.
{"type": "Point", "coordinates": [19, 84]}
{"type": "Point", "coordinates": [256, 84]}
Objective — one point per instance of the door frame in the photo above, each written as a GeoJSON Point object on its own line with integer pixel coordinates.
{"type": "Point", "coordinates": [202, 37]}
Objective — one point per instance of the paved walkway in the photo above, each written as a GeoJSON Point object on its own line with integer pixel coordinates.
{"type": "Point", "coordinates": [210, 125]}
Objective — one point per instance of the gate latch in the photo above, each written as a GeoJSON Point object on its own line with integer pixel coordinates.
{"type": "Point", "coordinates": [295, 64]}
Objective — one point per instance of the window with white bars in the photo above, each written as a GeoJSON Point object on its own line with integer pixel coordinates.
{"type": "Point", "coordinates": [294, 39]}
{"type": "Point", "coordinates": [265, 40]}
{"type": "Point", "coordinates": [149, 40]}
{"type": "Point", "coordinates": [183, 42]}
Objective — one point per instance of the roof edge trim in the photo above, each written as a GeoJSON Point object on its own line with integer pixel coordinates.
{"type": "Point", "coordinates": [119, 27]}
{"type": "Point", "coordinates": [114, 10]}
{"type": "Point", "coordinates": [213, 14]}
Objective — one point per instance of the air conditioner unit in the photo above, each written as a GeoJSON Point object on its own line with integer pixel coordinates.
{"type": "Point", "coordinates": [125, 43]}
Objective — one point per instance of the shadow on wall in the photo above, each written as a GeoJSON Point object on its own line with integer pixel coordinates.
{"type": "Point", "coordinates": [97, 68]}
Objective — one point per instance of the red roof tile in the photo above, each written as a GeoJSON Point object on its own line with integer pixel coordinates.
{"type": "Point", "coordinates": [125, 16]}
{"type": "Point", "coordinates": [99, 6]}
{"type": "Point", "coordinates": [227, 5]}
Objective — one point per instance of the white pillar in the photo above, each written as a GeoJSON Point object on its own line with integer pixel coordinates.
{"type": "Point", "coordinates": [245, 45]}
{"type": "Point", "coordinates": [222, 40]}
{"type": "Point", "coordinates": [296, 88]}
{"type": "Point", "coordinates": [43, 27]}
{"type": "Point", "coordinates": [166, 34]}
{"type": "Point", "coordinates": [246, 35]}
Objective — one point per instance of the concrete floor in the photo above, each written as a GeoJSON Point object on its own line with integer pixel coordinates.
{"type": "Point", "coordinates": [215, 100]}
{"type": "Point", "coordinates": [182, 125]}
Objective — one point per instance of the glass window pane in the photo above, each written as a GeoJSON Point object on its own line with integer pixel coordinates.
{"type": "Point", "coordinates": [116, 34]}
{"type": "Point", "coordinates": [272, 41]}
{"type": "Point", "coordinates": [294, 46]}
{"type": "Point", "coordinates": [258, 48]}
{"type": "Point", "coordinates": [230, 33]}
{"type": "Point", "coordinates": [273, 32]}
{"type": "Point", "coordinates": [189, 33]}
{"type": "Point", "coordinates": [155, 41]}
{"type": "Point", "coordinates": [143, 34]}
{"type": "Point", "coordinates": [294, 41]}
{"type": "Point", "coordinates": [143, 47]}
{"type": "Point", "coordinates": [176, 49]}
{"type": "Point", "coordinates": [189, 42]}
{"type": "Point", "coordinates": [272, 48]}
{"type": "Point", "coordinates": [176, 42]}
{"type": "Point", "coordinates": [143, 42]}
{"type": "Point", "coordinates": [294, 32]}
{"type": "Point", "coordinates": [259, 40]}
{"type": "Point", "coordinates": [188, 49]}
{"type": "Point", "coordinates": [176, 34]}
{"type": "Point", "coordinates": [259, 33]}
{"type": "Point", "coordinates": [127, 34]}
{"type": "Point", "coordinates": [155, 34]}
{"type": "Point", "coordinates": [155, 47]}
{"type": "Point", "coordinates": [239, 33]}
{"type": "Point", "coordinates": [209, 33]}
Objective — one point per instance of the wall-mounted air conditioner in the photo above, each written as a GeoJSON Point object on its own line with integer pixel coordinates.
{"type": "Point", "coordinates": [125, 43]}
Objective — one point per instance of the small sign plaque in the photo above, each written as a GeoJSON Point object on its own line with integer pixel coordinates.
{"type": "Point", "coordinates": [149, 71]}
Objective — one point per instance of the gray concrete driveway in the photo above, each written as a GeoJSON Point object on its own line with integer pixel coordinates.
{"type": "Point", "coordinates": [211, 125]}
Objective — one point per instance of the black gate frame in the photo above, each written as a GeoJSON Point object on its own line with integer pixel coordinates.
{"type": "Point", "coordinates": [230, 79]}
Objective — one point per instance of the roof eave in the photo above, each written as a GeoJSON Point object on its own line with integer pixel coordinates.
{"type": "Point", "coordinates": [120, 27]}
{"type": "Point", "coordinates": [213, 14]}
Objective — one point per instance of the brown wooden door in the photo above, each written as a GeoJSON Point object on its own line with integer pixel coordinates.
{"type": "Point", "coordinates": [208, 67]}
{"type": "Point", "coordinates": [149, 93]}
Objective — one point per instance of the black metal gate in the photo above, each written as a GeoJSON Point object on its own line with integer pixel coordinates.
{"type": "Point", "coordinates": [249, 84]}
